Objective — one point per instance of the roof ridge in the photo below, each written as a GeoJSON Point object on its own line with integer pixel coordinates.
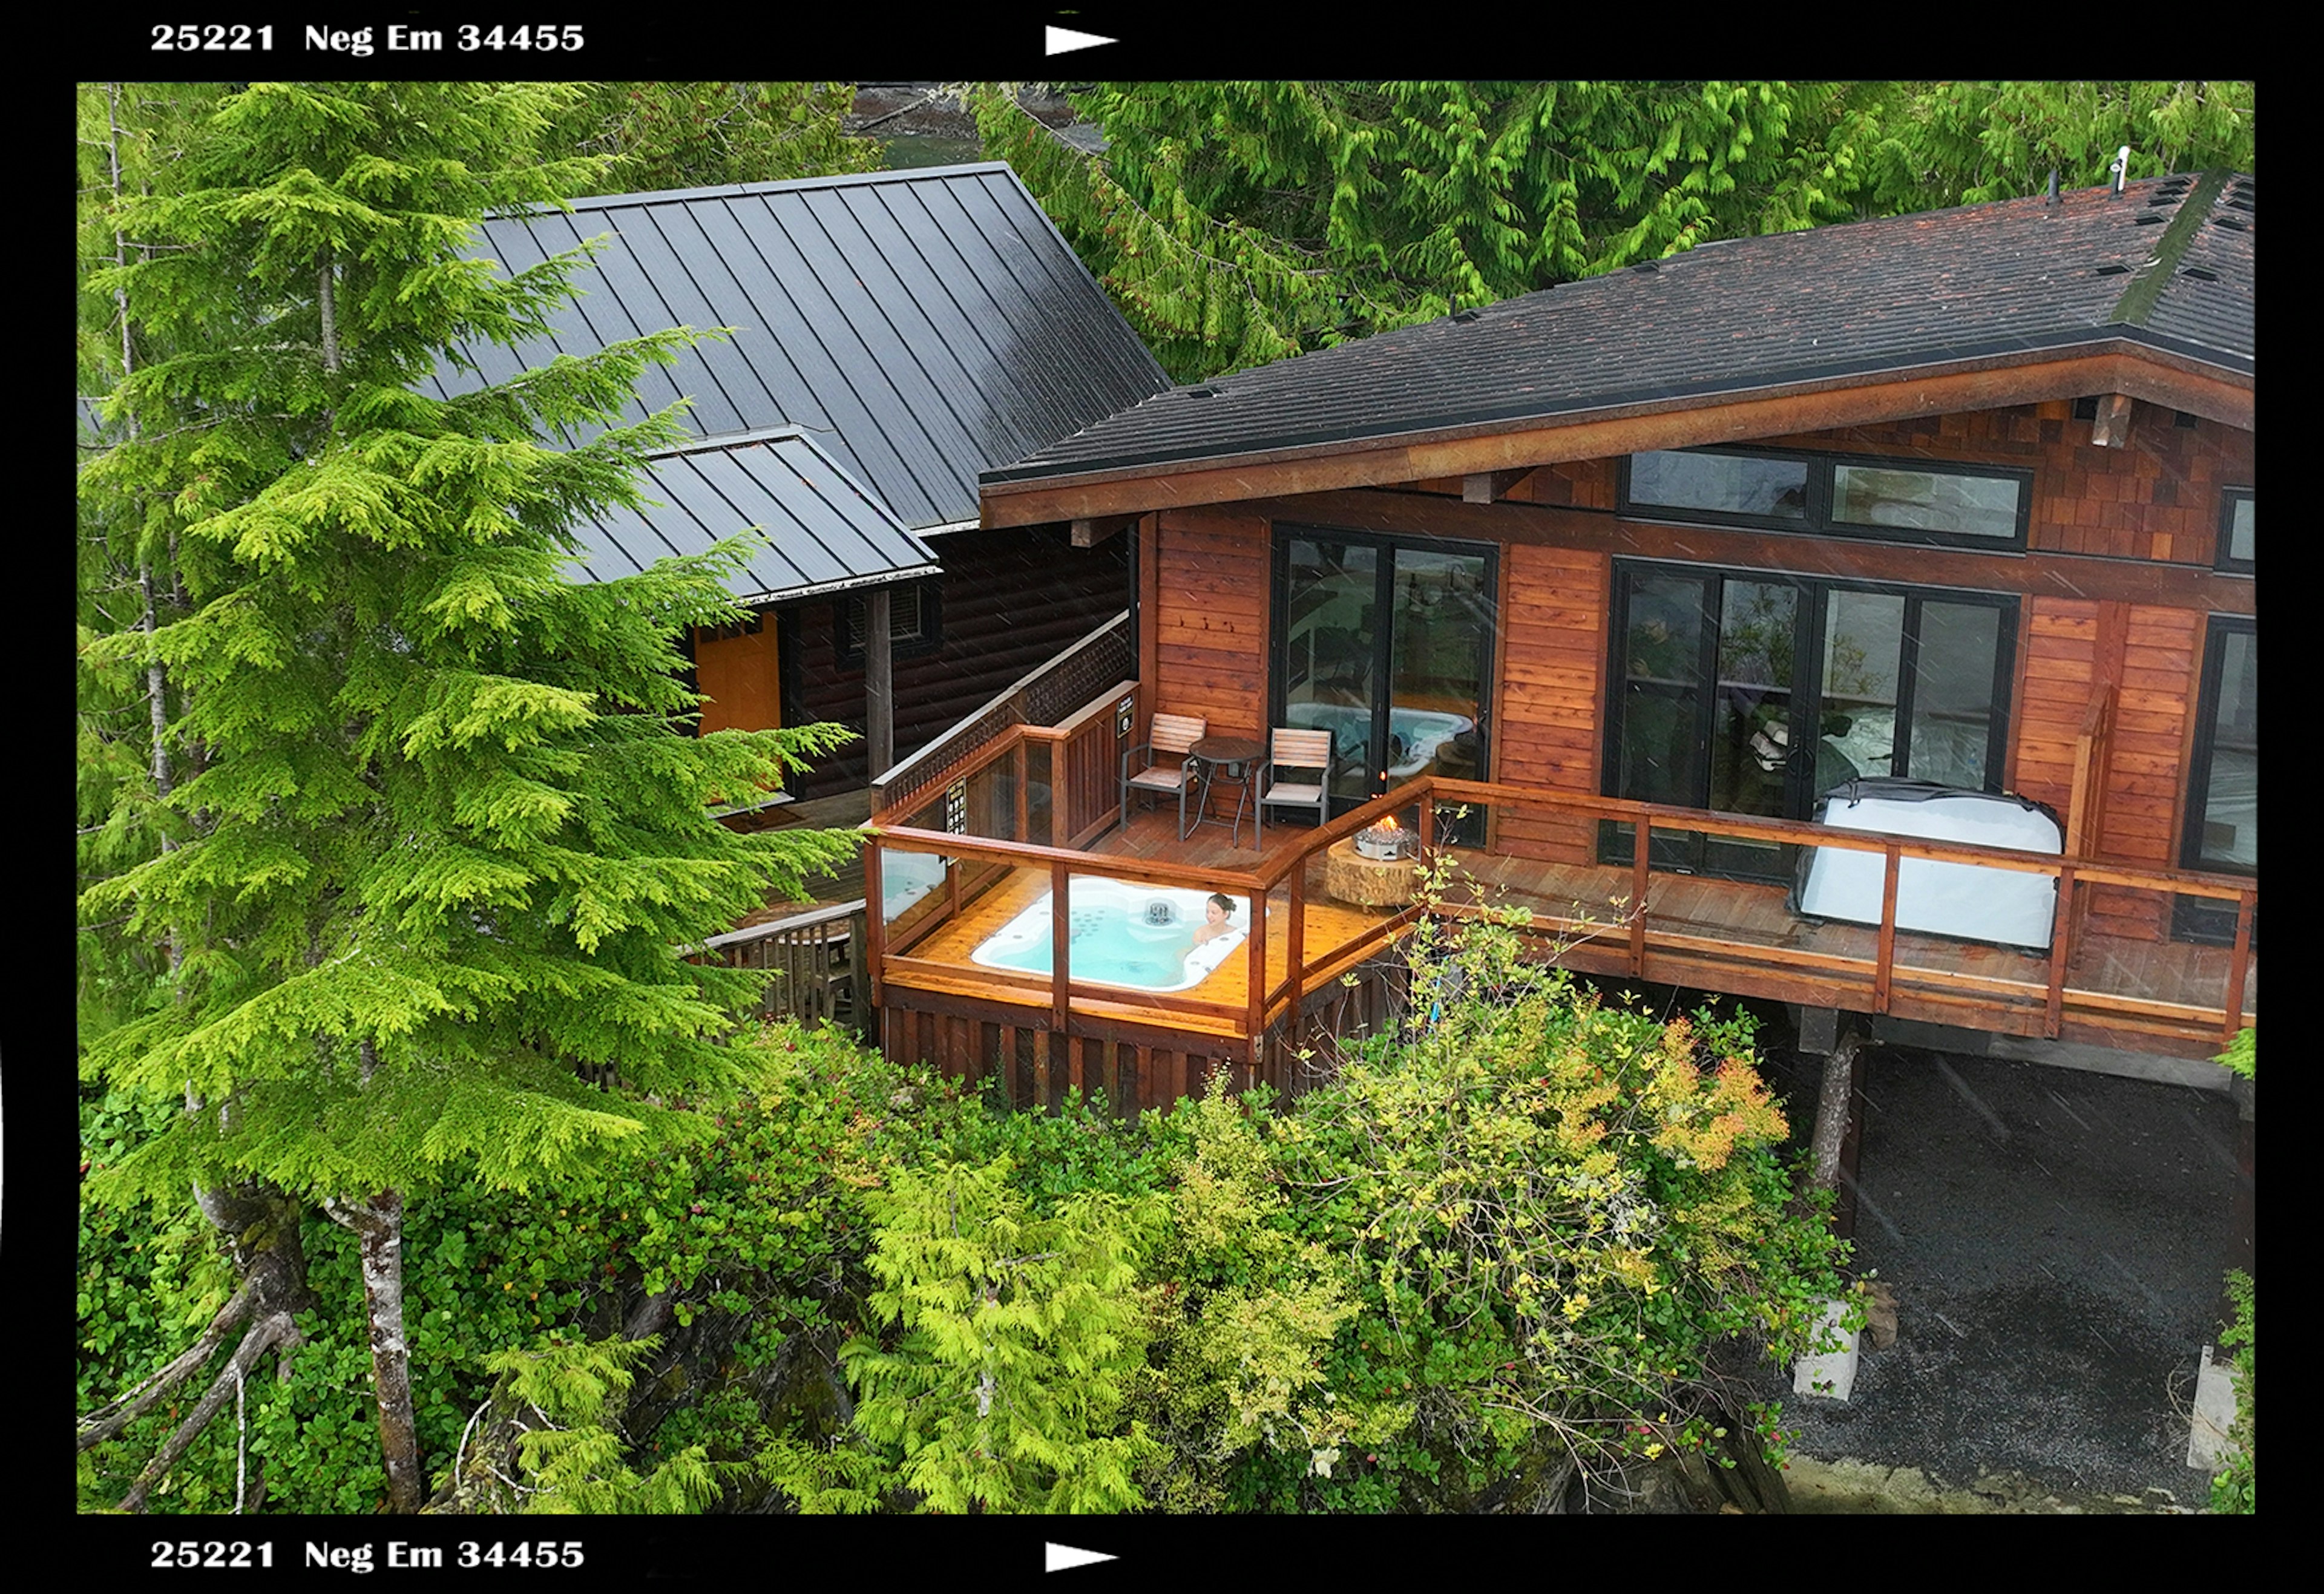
{"type": "Point", "coordinates": [2138, 300]}
{"type": "Point", "coordinates": [735, 190]}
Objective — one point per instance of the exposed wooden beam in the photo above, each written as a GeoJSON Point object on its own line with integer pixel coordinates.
{"type": "Point", "coordinates": [2112, 428]}
{"type": "Point", "coordinates": [1089, 532]}
{"type": "Point", "coordinates": [2143, 374]}
{"type": "Point", "coordinates": [1491, 486]}
{"type": "Point", "coordinates": [2039, 573]}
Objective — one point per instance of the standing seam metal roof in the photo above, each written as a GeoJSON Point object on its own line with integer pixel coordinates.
{"type": "Point", "coordinates": [921, 325]}
{"type": "Point", "coordinates": [821, 530]}
{"type": "Point", "coordinates": [1978, 282]}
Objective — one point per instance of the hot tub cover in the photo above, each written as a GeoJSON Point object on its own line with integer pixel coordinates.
{"type": "Point", "coordinates": [1996, 904]}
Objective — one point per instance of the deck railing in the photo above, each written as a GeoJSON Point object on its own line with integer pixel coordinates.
{"type": "Point", "coordinates": [1019, 816]}
{"type": "Point", "coordinates": [816, 958]}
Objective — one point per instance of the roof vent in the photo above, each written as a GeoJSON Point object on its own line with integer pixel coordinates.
{"type": "Point", "coordinates": [1464, 317]}
{"type": "Point", "coordinates": [2121, 167]}
{"type": "Point", "coordinates": [2149, 220]}
{"type": "Point", "coordinates": [1202, 393]}
{"type": "Point", "coordinates": [2234, 224]}
{"type": "Point", "coordinates": [1648, 265]}
{"type": "Point", "coordinates": [2116, 270]}
{"type": "Point", "coordinates": [2199, 274]}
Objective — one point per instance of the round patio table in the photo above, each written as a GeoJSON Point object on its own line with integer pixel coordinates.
{"type": "Point", "coordinates": [1232, 759]}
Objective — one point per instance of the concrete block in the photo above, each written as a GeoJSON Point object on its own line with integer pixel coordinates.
{"type": "Point", "coordinates": [2209, 1446]}
{"type": "Point", "coordinates": [1833, 1374]}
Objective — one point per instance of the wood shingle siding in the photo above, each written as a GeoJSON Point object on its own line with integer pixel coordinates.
{"type": "Point", "coordinates": [1210, 633]}
{"type": "Point", "coordinates": [1546, 727]}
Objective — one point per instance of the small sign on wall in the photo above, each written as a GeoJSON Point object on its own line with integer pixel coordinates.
{"type": "Point", "coordinates": [957, 806]}
{"type": "Point", "coordinates": [1125, 718]}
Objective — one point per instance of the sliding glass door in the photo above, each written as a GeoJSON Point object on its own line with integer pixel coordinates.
{"type": "Point", "coordinates": [1389, 645]}
{"type": "Point", "coordinates": [1753, 694]}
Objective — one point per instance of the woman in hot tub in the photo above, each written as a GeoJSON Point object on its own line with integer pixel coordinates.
{"type": "Point", "coordinates": [1217, 921]}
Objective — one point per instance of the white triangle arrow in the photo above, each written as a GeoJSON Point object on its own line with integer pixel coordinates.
{"type": "Point", "coordinates": [1058, 41]}
{"type": "Point", "coordinates": [1065, 1557]}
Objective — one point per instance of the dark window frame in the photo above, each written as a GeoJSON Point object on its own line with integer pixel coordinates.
{"type": "Point", "coordinates": [849, 642]}
{"type": "Point", "coordinates": [1819, 520]}
{"type": "Point", "coordinates": [2009, 606]}
{"type": "Point", "coordinates": [2225, 560]}
{"type": "Point", "coordinates": [2209, 919]}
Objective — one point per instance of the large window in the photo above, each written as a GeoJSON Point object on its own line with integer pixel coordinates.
{"type": "Point", "coordinates": [2222, 836]}
{"type": "Point", "coordinates": [1756, 694]}
{"type": "Point", "coordinates": [1893, 500]}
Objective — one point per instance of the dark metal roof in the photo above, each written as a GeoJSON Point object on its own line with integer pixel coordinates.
{"type": "Point", "coordinates": [822, 531]}
{"type": "Point", "coordinates": [921, 325]}
{"type": "Point", "coordinates": [1982, 282]}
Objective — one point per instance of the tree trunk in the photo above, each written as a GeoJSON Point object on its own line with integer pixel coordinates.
{"type": "Point", "coordinates": [1833, 1107]}
{"type": "Point", "coordinates": [261, 1226]}
{"type": "Point", "coordinates": [377, 1223]}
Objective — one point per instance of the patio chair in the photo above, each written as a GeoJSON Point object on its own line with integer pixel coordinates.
{"type": "Point", "coordinates": [1165, 767]}
{"type": "Point", "coordinates": [1302, 753]}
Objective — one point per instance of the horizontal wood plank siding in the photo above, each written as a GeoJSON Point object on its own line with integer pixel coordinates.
{"type": "Point", "coordinates": [1008, 602]}
{"type": "Point", "coordinates": [1548, 715]}
{"type": "Point", "coordinates": [1210, 631]}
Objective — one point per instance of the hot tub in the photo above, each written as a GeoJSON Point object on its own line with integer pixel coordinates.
{"type": "Point", "coordinates": [1417, 733]}
{"type": "Point", "coordinates": [1129, 936]}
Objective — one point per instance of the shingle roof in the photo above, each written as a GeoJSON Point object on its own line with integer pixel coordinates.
{"type": "Point", "coordinates": [922, 326]}
{"type": "Point", "coordinates": [2167, 264]}
{"type": "Point", "coordinates": [822, 531]}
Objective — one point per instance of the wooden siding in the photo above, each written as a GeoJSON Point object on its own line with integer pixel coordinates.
{"type": "Point", "coordinates": [1547, 723]}
{"type": "Point", "coordinates": [1209, 631]}
{"type": "Point", "coordinates": [2156, 497]}
{"type": "Point", "coordinates": [1008, 601]}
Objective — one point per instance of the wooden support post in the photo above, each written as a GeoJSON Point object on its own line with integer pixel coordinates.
{"type": "Point", "coordinates": [2111, 429]}
{"type": "Point", "coordinates": [2062, 924]}
{"type": "Point", "coordinates": [1060, 940]}
{"type": "Point", "coordinates": [875, 931]}
{"type": "Point", "coordinates": [878, 683]}
{"type": "Point", "coordinates": [1887, 958]}
{"type": "Point", "coordinates": [1024, 798]}
{"type": "Point", "coordinates": [1832, 1106]}
{"type": "Point", "coordinates": [1255, 1021]}
{"type": "Point", "coordinates": [1294, 973]}
{"type": "Point", "coordinates": [2239, 965]}
{"type": "Point", "coordinates": [1642, 837]}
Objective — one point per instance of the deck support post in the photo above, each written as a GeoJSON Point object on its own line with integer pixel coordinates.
{"type": "Point", "coordinates": [1832, 1105]}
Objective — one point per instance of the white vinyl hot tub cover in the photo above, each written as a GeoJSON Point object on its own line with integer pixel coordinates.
{"type": "Point", "coordinates": [1996, 904]}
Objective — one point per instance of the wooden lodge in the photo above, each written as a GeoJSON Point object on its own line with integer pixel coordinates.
{"type": "Point", "coordinates": [1600, 591]}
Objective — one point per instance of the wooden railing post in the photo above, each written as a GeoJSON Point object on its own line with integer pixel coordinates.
{"type": "Point", "coordinates": [1642, 840]}
{"type": "Point", "coordinates": [2061, 923]}
{"type": "Point", "coordinates": [2239, 964]}
{"type": "Point", "coordinates": [1294, 973]}
{"type": "Point", "coordinates": [1061, 926]}
{"type": "Point", "coordinates": [1887, 955]}
{"type": "Point", "coordinates": [1255, 1021]}
{"type": "Point", "coordinates": [875, 932]}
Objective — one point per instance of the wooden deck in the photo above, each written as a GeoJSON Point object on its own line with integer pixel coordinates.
{"type": "Point", "coordinates": [1734, 937]}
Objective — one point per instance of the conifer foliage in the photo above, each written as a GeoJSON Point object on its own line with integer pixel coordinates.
{"type": "Point", "coordinates": [450, 836]}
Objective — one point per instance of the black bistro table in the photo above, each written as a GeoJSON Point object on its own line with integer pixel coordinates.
{"type": "Point", "coordinates": [1232, 759]}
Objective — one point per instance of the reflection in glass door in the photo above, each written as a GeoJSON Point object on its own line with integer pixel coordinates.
{"type": "Point", "coordinates": [1387, 645]}
{"type": "Point", "coordinates": [1759, 695]}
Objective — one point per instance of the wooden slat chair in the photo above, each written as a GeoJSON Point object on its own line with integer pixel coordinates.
{"type": "Point", "coordinates": [1165, 767]}
{"type": "Point", "coordinates": [1305, 753]}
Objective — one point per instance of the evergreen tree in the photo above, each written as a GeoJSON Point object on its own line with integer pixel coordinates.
{"type": "Point", "coordinates": [450, 839]}
{"type": "Point", "coordinates": [1237, 223]}
{"type": "Point", "coordinates": [692, 136]}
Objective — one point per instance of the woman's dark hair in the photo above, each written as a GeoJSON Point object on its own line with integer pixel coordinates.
{"type": "Point", "coordinates": [1225, 902]}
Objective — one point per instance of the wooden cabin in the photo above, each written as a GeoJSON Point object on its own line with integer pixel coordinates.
{"type": "Point", "coordinates": [888, 337]}
{"type": "Point", "coordinates": [1601, 590]}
